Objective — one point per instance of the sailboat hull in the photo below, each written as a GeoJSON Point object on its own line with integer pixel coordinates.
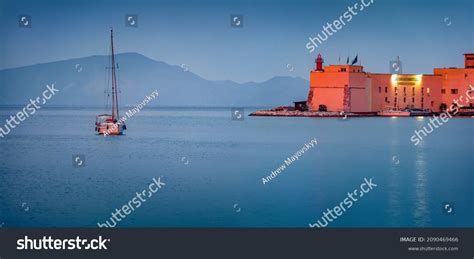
{"type": "Point", "coordinates": [109, 129]}
{"type": "Point", "coordinates": [105, 125]}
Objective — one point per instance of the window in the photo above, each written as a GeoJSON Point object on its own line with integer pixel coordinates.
{"type": "Point", "coordinates": [386, 99]}
{"type": "Point", "coordinates": [404, 99]}
{"type": "Point", "coordinates": [404, 90]}
{"type": "Point", "coordinates": [432, 103]}
{"type": "Point", "coordinates": [413, 90]}
{"type": "Point", "coordinates": [386, 89]}
{"type": "Point", "coordinates": [443, 91]}
{"type": "Point", "coordinates": [413, 99]}
{"type": "Point", "coordinates": [343, 69]}
{"type": "Point", "coordinates": [443, 107]}
{"type": "Point", "coordinates": [454, 91]}
{"type": "Point", "coordinates": [380, 89]}
{"type": "Point", "coordinates": [422, 90]}
{"type": "Point", "coordinates": [422, 99]}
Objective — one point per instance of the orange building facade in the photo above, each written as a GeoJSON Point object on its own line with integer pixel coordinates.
{"type": "Point", "coordinates": [349, 88]}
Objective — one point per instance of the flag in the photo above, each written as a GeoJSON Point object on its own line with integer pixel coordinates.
{"type": "Point", "coordinates": [354, 60]}
{"type": "Point", "coordinates": [347, 62]}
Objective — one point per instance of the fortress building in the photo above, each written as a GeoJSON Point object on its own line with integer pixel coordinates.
{"type": "Point", "coordinates": [349, 88]}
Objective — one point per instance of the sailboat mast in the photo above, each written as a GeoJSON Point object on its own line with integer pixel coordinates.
{"type": "Point", "coordinates": [115, 110]}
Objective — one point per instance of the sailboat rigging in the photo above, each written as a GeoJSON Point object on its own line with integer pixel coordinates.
{"type": "Point", "coordinates": [106, 124]}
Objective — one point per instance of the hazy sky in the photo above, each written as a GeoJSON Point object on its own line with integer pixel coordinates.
{"type": "Point", "coordinates": [425, 34]}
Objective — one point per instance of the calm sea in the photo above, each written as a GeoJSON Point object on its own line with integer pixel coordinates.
{"type": "Point", "coordinates": [213, 168]}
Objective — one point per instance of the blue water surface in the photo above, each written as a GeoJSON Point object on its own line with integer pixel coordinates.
{"type": "Point", "coordinates": [213, 168]}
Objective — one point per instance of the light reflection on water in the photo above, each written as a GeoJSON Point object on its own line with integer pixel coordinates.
{"type": "Point", "coordinates": [421, 211]}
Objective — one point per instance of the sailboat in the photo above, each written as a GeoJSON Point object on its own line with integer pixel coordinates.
{"type": "Point", "coordinates": [106, 124]}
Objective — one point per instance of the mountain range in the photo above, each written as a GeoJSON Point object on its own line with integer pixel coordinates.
{"type": "Point", "coordinates": [86, 81]}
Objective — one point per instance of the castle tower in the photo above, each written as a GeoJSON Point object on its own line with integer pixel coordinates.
{"type": "Point", "coordinates": [469, 61]}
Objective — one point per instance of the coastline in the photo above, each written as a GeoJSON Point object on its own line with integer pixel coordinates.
{"type": "Point", "coordinates": [274, 113]}
{"type": "Point", "coordinates": [318, 114]}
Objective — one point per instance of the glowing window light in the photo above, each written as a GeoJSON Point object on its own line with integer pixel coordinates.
{"type": "Point", "coordinates": [394, 78]}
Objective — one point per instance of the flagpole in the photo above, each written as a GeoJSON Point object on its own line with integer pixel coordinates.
{"type": "Point", "coordinates": [348, 56]}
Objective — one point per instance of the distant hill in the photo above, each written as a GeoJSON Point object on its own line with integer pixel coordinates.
{"type": "Point", "coordinates": [82, 81]}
